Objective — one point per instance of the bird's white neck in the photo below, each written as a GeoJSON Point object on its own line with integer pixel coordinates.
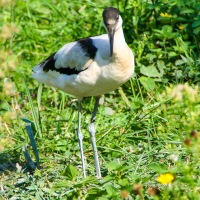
{"type": "Point", "coordinates": [120, 47]}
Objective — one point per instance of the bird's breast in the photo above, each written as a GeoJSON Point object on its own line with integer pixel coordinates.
{"type": "Point", "coordinates": [98, 80]}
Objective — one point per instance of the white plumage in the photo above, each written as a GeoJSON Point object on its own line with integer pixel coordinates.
{"type": "Point", "coordinates": [90, 67]}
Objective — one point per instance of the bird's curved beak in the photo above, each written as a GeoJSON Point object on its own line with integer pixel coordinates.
{"type": "Point", "coordinates": [111, 33]}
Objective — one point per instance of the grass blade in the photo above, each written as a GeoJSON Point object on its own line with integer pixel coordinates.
{"type": "Point", "coordinates": [29, 130]}
{"type": "Point", "coordinates": [34, 112]}
{"type": "Point", "coordinates": [28, 157]}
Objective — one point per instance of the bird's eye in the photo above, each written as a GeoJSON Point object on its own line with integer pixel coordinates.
{"type": "Point", "coordinates": [106, 23]}
{"type": "Point", "coordinates": [117, 18]}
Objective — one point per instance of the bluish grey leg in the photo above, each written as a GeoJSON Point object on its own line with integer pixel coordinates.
{"type": "Point", "coordinates": [93, 139]}
{"type": "Point", "coordinates": [80, 139]}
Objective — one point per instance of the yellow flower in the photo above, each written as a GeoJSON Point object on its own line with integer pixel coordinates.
{"type": "Point", "coordinates": [165, 15]}
{"type": "Point", "coordinates": [165, 178]}
{"type": "Point", "coordinates": [181, 27]}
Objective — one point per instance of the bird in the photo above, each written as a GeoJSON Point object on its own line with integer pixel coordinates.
{"type": "Point", "coordinates": [91, 66]}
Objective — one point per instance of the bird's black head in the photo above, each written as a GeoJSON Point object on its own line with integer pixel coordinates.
{"type": "Point", "coordinates": [112, 21]}
{"type": "Point", "coordinates": [110, 15]}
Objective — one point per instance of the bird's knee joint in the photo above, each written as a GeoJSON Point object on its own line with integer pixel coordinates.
{"type": "Point", "coordinates": [92, 129]}
{"type": "Point", "coordinates": [80, 136]}
{"type": "Point", "coordinates": [92, 120]}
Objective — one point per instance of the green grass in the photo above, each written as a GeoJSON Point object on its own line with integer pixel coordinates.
{"type": "Point", "coordinates": [146, 128]}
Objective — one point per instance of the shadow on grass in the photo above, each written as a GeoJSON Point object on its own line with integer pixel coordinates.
{"type": "Point", "coordinates": [10, 163]}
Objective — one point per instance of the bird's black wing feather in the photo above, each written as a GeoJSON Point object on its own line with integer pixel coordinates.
{"type": "Point", "coordinates": [85, 45]}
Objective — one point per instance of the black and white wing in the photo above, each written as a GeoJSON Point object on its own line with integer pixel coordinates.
{"type": "Point", "coordinates": [71, 59]}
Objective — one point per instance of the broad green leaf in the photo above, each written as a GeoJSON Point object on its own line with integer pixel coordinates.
{"type": "Point", "coordinates": [88, 180]}
{"type": "Point", "coordinates": [186, 11]}
{"type": "Point", "coordinates": [158, 167]}
{"type": "Point", "coordinates": [197, 30]}
{"type": "Point", "coordinates": [151, 57]}
{"type": "Point", "coordinates": [187, 60]}
{"type": "Point", "coordinates": [137, 103]}
{"type": "Point", "coordinates": [109, 111]}
{"type": "Point", "coordinates": [150, 71]}
{"type": "Point", "coordinates": [112, 165]}
{"type": "Point", "coordinates": [123, 182]}
{"type": "Point", "coordinates": [111, 190]}
{"type": "Point", "coordinates": [148, 83]}
{"type": "Point", "coordinates": [196, 23]}
{"type": "Point", "coordinates": [179, 62]}
{"type": "Point", "coordinates": [166, 29]}
{"type": "Point", "coordinates": [161, 66]}
{"type": "Point", "coordinates": [70, 172]}
{"type": "Point", "coordinates": [93, 191]}
{"type": "Point", "coordinates": [61, 184]}
{"type": "Point", "coordinates": [179, 73]}
{"type": "Point", "coordinates": [172, 54]}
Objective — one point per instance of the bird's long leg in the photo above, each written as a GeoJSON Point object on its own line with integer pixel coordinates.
{"type": "Point", "coordinates": [80, 139]}
{"type": "Point", "coordinates": [93, 139]}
